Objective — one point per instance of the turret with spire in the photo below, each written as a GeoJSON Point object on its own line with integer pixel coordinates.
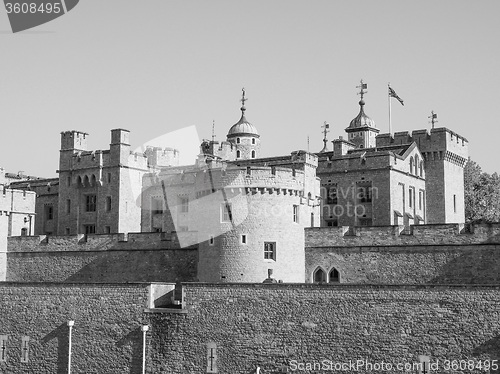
{"type": "Point", "coordinates": [244, 135]}
{"type": "Point", "coordinates": [362, 130]}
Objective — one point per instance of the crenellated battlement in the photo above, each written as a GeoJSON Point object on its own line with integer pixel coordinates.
{"type": "Point", "coordinates": [433, 145]}
{"type": "Point", "coordinates": [415, 235]}
{"type": "Point", "coordinates": [158, 156]}
{"type": "Point", "coordinates": [251, 177]}
{"type": "Point", "coordinates": [86, 243]}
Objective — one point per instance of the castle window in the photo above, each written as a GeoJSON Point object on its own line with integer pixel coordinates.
{"type": "Point", "coordinates": [184, 204]}
{"type": "Point", "coordinates": [68, 181]}
{"type": "Point", "coordinates": [108, 203]}
{"type": "Point", "coordinates": [253, 154]}
{"type": "Point", "coordinates": [156, 205]}
{"type": "Point", "coordinates": [416, 165]}
{"type": "Point", "coordinates": [319, 276]}
{"type": "Point", "coordinates": [332, 195]}
{"type": "Point", "coordinates": [211, 240]}
{"type": "Point", "coordinates": [89, 229]}
{"type": "Point", "coordinates": [68, 206]}
{"type": "Point", "coordinates": [296, 213]}
{"type": "Point", "coordinates": [107, 229]}
{"type": "Point", "coordinates": [243, 239]}
{"type": "Point", "coordinates": [454, 203]}
{"type": "Point", "coordinates": [238, 140]}
{"type": "Point", "coordinates": [334, 276]}
{"type": "Point", "coordinates": [420, 199]}
{"type": "Point", "coordinates": [49, 212]}
{"type": "Point", "coordinates": [312, 219]}
{"type": "Point", "coordinates": [212, 355]}
{"type": "Point", "coordinates": [238, 154]}
{"type": "Point", "coordinates": [270, 251]}
{"type": "Point", "coordinates": [226, 213]}
{"type": "Point", "coordinates": [410, 197]}
{"type": "Point", "coordinates": [411, 165]}
{"type": "Point", "coordinates": [66, 231]}
{"type": "Point", "coordinates": [91, 203]}
{"type": "Point", "coordinates": [365, 194]}
{"type": "Point", "coordinates": [109, 177]}
{"type": "Point", "coordinates": [253, 140]}
{"type": "Point", "coordinates": [24, 232]}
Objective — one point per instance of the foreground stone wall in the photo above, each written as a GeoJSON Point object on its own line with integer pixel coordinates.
{"type": "Point", "coordinates": [106, 337]}
{"type": "Point", "coordinates": [277, 326]}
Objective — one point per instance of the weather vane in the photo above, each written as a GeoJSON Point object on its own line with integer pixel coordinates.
{"type": "Point", "coordinates": [243, 99]}
{"type": "Point", "coordinates": [433, 117]}
{"type": "Point", "coordinates": [325, 131]}
{"type": "Point", "coordinates": [362, 87]}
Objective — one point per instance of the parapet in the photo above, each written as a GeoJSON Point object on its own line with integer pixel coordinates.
{"type": "Point", "coordinates": [73, 140]}
{"type": "Point", "coordinates": [438, 139]}
{"type": "Point", "coordinates": [97, 242]}
{"type": "Point", "coordinates": [162, 157]}
{"type": "Point", "coordinates": [400, 236]}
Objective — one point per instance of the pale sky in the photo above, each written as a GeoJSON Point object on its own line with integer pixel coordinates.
{"type": "Point", "coordinates": [157, 66]}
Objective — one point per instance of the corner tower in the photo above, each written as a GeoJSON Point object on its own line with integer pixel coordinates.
{"type": "Point", "coordinates": [244, 136]}
{"type": "Point", "coordinates": [362, 130]}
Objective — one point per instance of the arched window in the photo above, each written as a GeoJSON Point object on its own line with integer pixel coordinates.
{"type": "Point", "coordinates": [334, 276]}
{"type": "Point", "coordinates": [238, 141]}
{"type": "Point", "coordinates": [253, 140]}
{"type": "Point", "coordinates": [416, 165]}
{"type": "Point", "coordinates": [238, 154]}
{"type": "Point", "coordinates": [319, 276]}
{"type": "Point", "coordinates": [253, 154]}
{"type": "Point", "coordinates": [422, 168]}
{"type": "Point", "coordinates": [24, 231]}
{"type": "Point", "coordinates": [312, 219]}
{"type": "Point", "coordinates": [411, 165]}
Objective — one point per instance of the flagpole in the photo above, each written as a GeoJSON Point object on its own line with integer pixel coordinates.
{"type": "Point", "coordinates": [389, 98]}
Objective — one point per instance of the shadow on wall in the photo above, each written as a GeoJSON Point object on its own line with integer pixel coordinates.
{"type": "Point", "coordinates": [152, 266]}
{"type": "Point", "coordinates": [133, 340]}
{"type": "Point", "coordinates": [61, 333]}
{"type": "Point", "coordinates": [490, 349]}
{"type": "Point", "coordinates": [474, 267]}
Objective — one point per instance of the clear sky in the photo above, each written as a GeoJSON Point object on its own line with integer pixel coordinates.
{"type": "Point", "coordinates": [156, 66]}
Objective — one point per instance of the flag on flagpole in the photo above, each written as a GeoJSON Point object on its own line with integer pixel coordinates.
{"type": "Point", "coordinates": [393, 94]}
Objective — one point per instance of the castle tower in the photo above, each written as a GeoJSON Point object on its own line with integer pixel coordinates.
{"type": "Point", "coordinates": [362, 130]}
{"type": "Point", "coordinates": [445, 154]}
{"type": "Point", "coordinates": [244, 136]}
{"type": "Point", "coordinates": [71, 142]}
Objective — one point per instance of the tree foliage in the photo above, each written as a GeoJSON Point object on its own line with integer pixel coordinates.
{"type": "Point", "coordinates": [482, 194]}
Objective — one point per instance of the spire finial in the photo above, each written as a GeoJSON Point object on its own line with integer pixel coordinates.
{"type": "Point", "coordinates": [362, 87]}
{"type": "Point", "coordinates": [243, 99]}
{"type": "Point", "coordinates": [433, 117]}
{"type": "Point", "coordinates": [325, 131]}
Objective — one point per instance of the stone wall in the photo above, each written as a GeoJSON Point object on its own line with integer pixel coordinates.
{"type": "Point", "coordinates": [149, 257]}
{"type": "Point", "coordinates": [390, 255]}
{"type": "Point", "coordinates": [106, 336]}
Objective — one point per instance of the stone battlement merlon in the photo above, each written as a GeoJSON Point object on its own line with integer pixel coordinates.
{"type": "Point", "coordinates": [104, 242]}
{"type": "Point", "coordinates": [429, 234]}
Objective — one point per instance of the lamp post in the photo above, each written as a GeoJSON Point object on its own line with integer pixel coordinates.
{"type": "Point", "coordinates": [144, 329]}
{"type": "Point", "coordinates": [70, 325]}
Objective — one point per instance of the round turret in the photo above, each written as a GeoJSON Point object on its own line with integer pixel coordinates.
{"type": "Point", "coordinates": [244, 136]}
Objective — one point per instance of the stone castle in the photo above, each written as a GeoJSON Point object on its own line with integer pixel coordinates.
{"type": "Point", "coordinates": [240, 261]}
